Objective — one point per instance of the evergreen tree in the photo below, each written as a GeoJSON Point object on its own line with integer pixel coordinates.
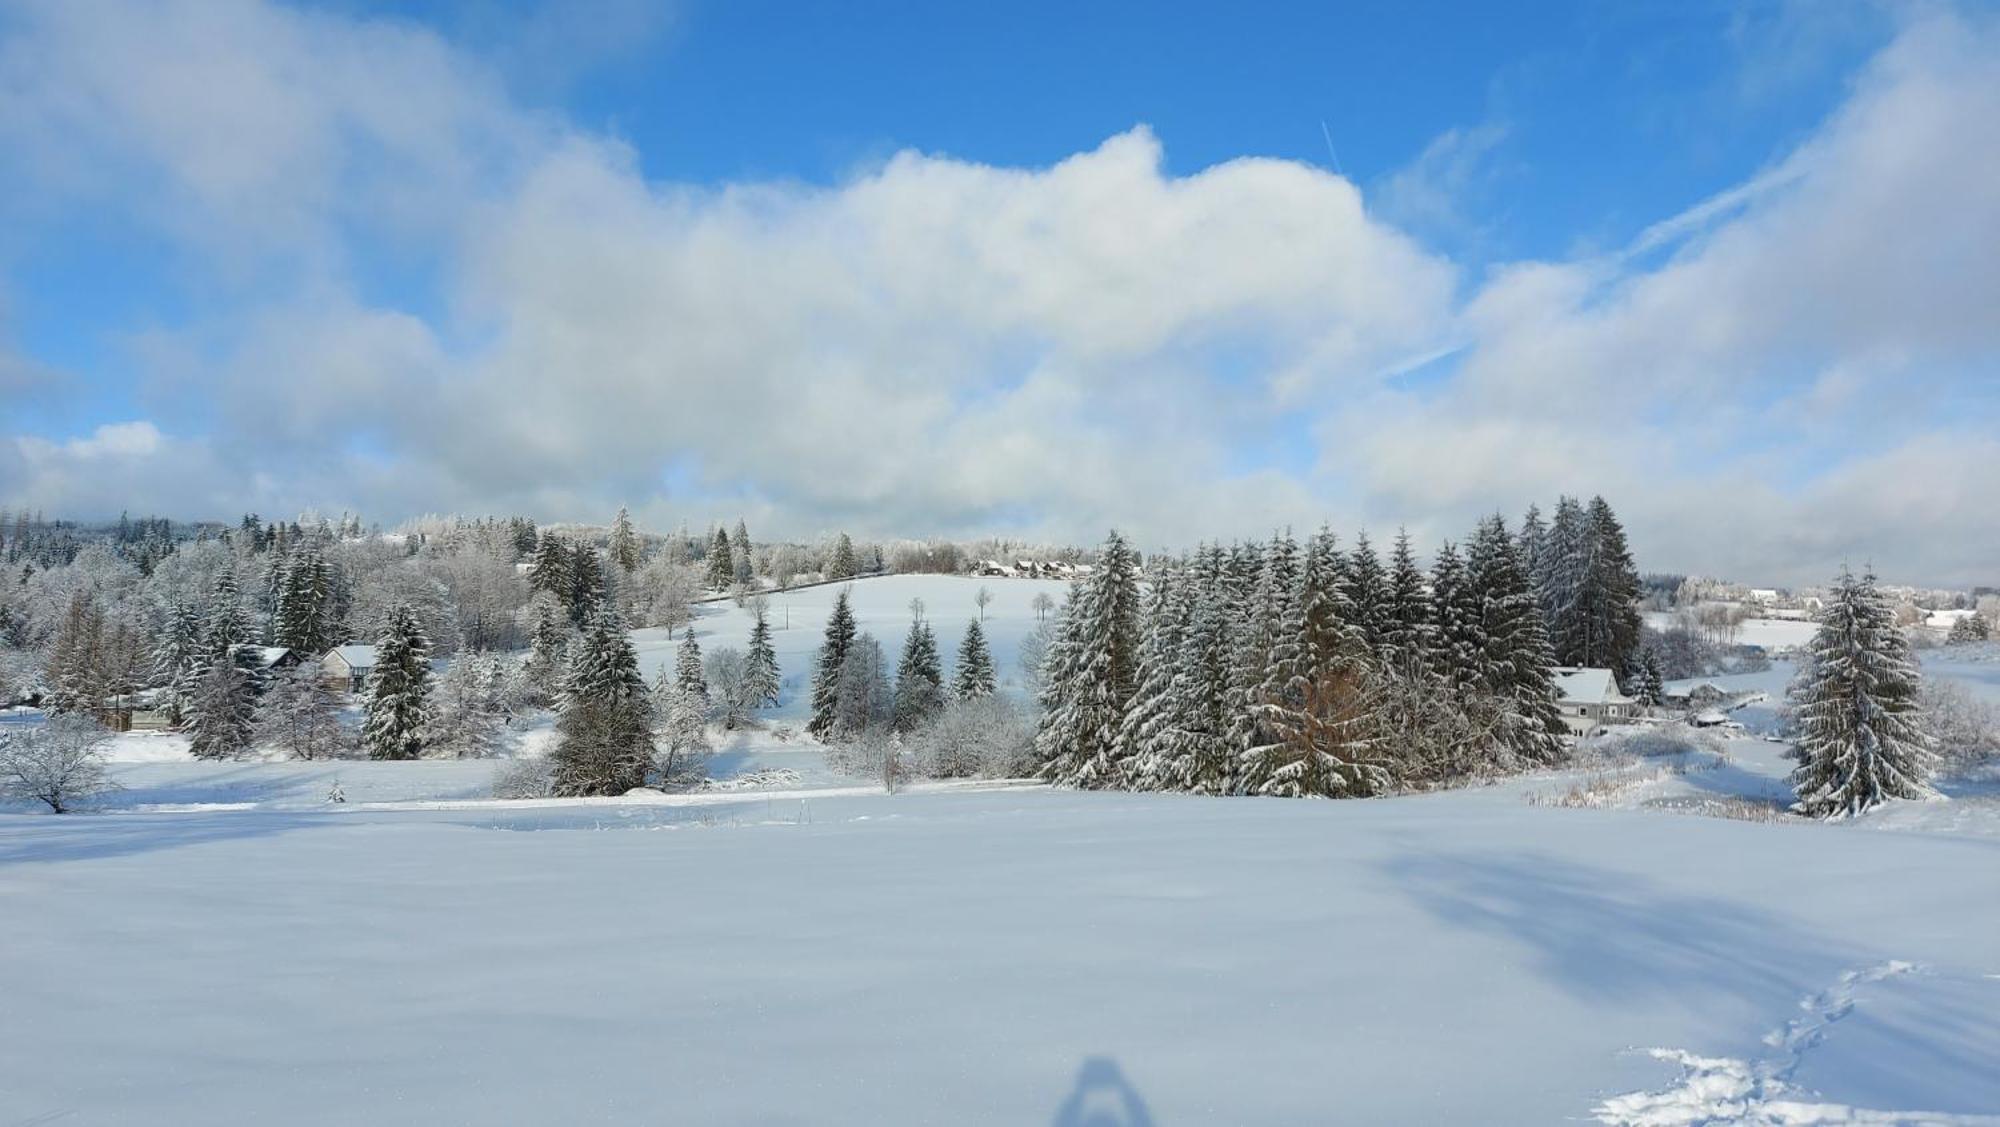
{"type": "Point", "coordinates": [1368, 594]}
{"type": "Point", "coordinates": [1143, 731]}
{"type": "Point", "coordinates": [842, 565]}
{"type": "Point", "coordinates": [1604, 629]}
{"type": "Point", "coordinates": [739, 552]}
{"type": "Point", "coordinates": [826, 673]}
{"type": "Point", "coordinates": [220, 715]}
{"type": "Point", "coordinates": [589, 586]}
{"type": "Point", "coordinates": [1458, 622]}
{"type": "Point", "coordinates": [554, 569]}
{"type": "Point", "coordinates": [398, 689]}
{"type": "Point", "coordinates": [178, 661]}
{"type": "Point", "coordinates": [548, 639]}
{"type": "Point", "coordinates": [1093, 670]}
{"type": "Point", "coordinates": [604, 738]}
{"type": "Point", "coordinates": [761, 682]}
{"type": "Point", "coordinates": [1862, 737]}
{"type": "Point", "coordinates": [1197, 753]}
{"type": "Point", "coordinates": [721, 568]}
{"type": "Point", "coordinates": [975, 677]}
{"type": "Point", "coordinates": [919, 679]}
{"type": "Point", "coordinates": [1407, 628]}
{"type": "Point", "coordinates": [688, 673]}
{"type": "Point", "coordinates": [624, 542]}
{"type": "Point", "coordinates": [226, 623]}
{"type": "Point", "coordinates": [302, 619]}
{"type": "Point", "coordinates": [1558, 582]}
{"type": "Point", "coordinates": [1646, 683]}
{"type": "Point", "coordinates": [1516, 664]}
{"type": "Point", "coordinates": [1267, 648]}
{"type": "Point", "coordinates": [1971, 628]}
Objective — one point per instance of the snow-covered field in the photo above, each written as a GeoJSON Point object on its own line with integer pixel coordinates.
{"type": "Point", "coordinates": [225, 947]}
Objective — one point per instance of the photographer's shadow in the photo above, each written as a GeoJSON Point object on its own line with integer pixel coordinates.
{"type": "Point", "coordinates": [1102, 1097]}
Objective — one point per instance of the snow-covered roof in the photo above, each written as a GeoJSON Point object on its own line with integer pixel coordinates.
{"type": "Point", "coordinates": [264, 657]}
{"type": "Point", "coordinates": [355, 654]}
{"type": "Point", "coordinates": [1576, 685]}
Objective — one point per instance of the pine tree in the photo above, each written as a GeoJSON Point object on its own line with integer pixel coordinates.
{"type": "Point", "coordinates": [842, 565]}
{"type": "Point", "coordinates": [624, 542]}
{"type": "Point", "coordinates": [604, 738]}
{"type": "Point", "coordinates": [1862, 737]}
{"type": "Point", "coordinates": [1094, 668]}
{"type": "Point", "coordinates": [178, 661]}
{"type": "Point", "coordinates": [975, 677]}
{"type": "Point", "coordinates": [588, 584]}
{"type": "Point", "coordinates": [739, 552]}
{"type": "Point", "coordinates": [1646, 683]}
{"type": "Point", "coordinates": [220, 715]}
{"type": "Point", "coordinates": [1407, 629]}
{"type": "Point", "coordinates": [1458, 622]}
{"type": "Point", "coordinates": [688, 673]}
{"type": "Point", "coordinates": [919, 679]}
{"type": "Point", "coordinates": [1604, 630]}
{"type": "Point", "coordinates": [721, 568]}
{"type": "Point", "coordinates": [1197, 753]}
{"type": "Point", "coordinates": [761, 681]}
{"type": "Point", "coordinates": [226, 624]}
{"type": "Point", "coordinates": [1533, 540]}
{"type": "Point", "coordinates": [1368, 593]}
{"type": "Point", "coordinates": [302, 619]}
{"type": "Point", "coordinates": [548, 639]}
{"type": "Point", "coordinates": [554, 569]}
{"type": "Point", "coordinates": [1558, 582]}
{"type": "Point", "coordinates": [1143, 731]}
{"type": "Point", "coordinates": [1971, 628]}
{"type": "Point", "coordinates": [826, 673]}
{"type": "Point", "coordinates": [1267, 648]}
{"type": "Point", "coordinates": [1516, 664]}
{"type": "Point", "coordinates": [398, 689]}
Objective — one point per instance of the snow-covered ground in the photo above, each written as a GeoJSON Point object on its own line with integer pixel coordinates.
{"type": "Point", "coordinates": [1770, 633]}
{"type": "Point", "coordinates": [223, 946]}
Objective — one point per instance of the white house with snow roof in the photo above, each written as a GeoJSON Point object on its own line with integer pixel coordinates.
{"type": "Point", "coordinates": [346, 667]}
{"type": "Point", "coordinates": [1589, 699]}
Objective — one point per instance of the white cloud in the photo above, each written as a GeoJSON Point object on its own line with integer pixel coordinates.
{"type": "Point", "coordinates": [937, 345]}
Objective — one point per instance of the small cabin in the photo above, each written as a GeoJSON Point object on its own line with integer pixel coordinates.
{"type": "Point", "coordinates": [1589, 699]}
{"type": "Point", "coordinates": [346, 668]}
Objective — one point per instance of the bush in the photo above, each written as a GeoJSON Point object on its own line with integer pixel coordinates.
{"type": "Point", "coordinates": [525, 778]}
{"type": "Point", "coordinates": [59, 764]}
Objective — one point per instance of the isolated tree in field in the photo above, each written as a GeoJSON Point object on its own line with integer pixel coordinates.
{"type": "Point", "coordinates": [300, 714]}
{"type": "Point", "coordinates": [826, 672]}
{"type": "Point", "coordinates": [1092, 670]}
{"type": "Point", "coordinates": [398, 689]}
{"type": "Point", "coordinates": [919, 678]}
{"type": "Point", "coordinates": [721, 570]}
{"type": "Point", "coordinates": [604, 738]}
{"type": "Point", "coordinates": [761, 682]}
{"type": "Point", "coordinates": [1042, 604]}
{"type": "Point", "coordinates": [974, 677]}
{"type": "Point", "coordinates": [222, 713]}
{"type": "Point", "coordinates": [1862, 735]}
{"type": "Point", "coordinates": [624, 542]}
{"type": "Point", "coordinates": [982, 599]}
{"type": "Point", "coordinates": [59, 764]}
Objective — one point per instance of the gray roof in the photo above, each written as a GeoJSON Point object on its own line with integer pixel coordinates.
{"type": "Point", "coordinates": [355, 654]}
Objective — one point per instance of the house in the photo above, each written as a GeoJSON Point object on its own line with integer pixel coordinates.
{"type": "Point", "coordinates": [1589, 699]}
{"type": "Point", "coordinates": [1689, 694]}
{"type": "Point", "coordinates": [346, 667]}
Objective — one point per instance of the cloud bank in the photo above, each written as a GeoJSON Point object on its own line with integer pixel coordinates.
{"type": "Point", "coordinates": [412, 294]}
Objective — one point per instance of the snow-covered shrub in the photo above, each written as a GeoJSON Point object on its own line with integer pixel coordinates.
{"type": "Point", "coordinates": [1966, 728]}
{"type": "Point", "coordinates": [525, 778]}
{"type": "Point", "coordinates": [990, 737]}
{"type": "Point", "coordinates": [59, 764]}
{"type": "Point", "coordinates": [1655, 741]}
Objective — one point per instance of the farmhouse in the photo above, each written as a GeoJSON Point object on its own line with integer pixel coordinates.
{"type": "Point", "coordinates": [346, 667]}
{"type": "Point", "coordinates": [1589, 699]}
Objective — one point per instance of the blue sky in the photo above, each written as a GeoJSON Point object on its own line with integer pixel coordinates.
{"type": "Point", "coordinates": [914, 269]}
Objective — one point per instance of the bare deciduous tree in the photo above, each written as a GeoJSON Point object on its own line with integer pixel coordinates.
{"type": "Point", "coordinates": [59, 764]}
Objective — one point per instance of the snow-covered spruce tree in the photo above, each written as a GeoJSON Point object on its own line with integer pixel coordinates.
{"type": "Point", "coordinates": [1094, 667]}
{"type": "Point", "coordinates": [1646, 682]}
{"type": "Point", "coordinates": [1862, 737]}
{"type": "Point", "coordinates": [589, 586]}
{"type": "Point", "coordinates": [554, 568]}
{"type": "Point", "coordinates": [1458, 633]}
{"type": "Point", "coordinates": [688, 673]}
{"type": "Point", "coordinates": [761, 682]}
{"type": "Point", "coordinates": [739, 552]}
{"type": "Point", "coordinates": [1197, 753]}
{"type": "Point", "coordinates": [1533, 540]}
{"type": "Point", "coordinates": [178, 661]}
{"type": "Point", "coordinates": [76, 656]}
{"type": "Point", "coordinates": [226, 623]}
{"type": "Point", "coordinates": [721, 571]}
{"type": "Point", "coordinates": [841, 565]}
{"type": "Point", "coordinates": [300, 714]}
{"type": "Point", "coordinates": [1142, 733]}
{"type": "Point", "coordinates": [826, 672]}
{"type": "Point", "coordinates": [1558, 578]}
{"type": "Point", "coordinates": [1367, 588]}
{"type": "Point", "coordinates": [1265, 661]}
{"type": "Point", "coordinates": [604, 738]}
{"type": "Point", "coordinates": [548, 641]}
{"type": "Point", "coordinates": [1516, 664]}
{"type": "Point", "coordinates": [919, 679]}
{"type": "Point", "coordinates": [468, 707]}
{"type": "Point", "coordinates": [221, 714]}
{"type": "Point", "coordinates": [302, 616]}
{"type": "Point", "coordinates": [1604, 628]}
{"type": "Point", "coordinates": [398, 689]}
{"type": "Point", "coordinates": [624, 546]}
{"type": "Point", "coordinates": [974, 677]}
{"type": "Point", "coordinates": [1407, 629]}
